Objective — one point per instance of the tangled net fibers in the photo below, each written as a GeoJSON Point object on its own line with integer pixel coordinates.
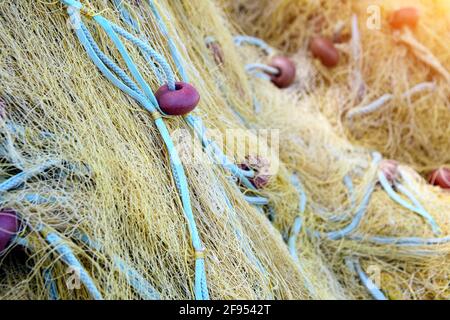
{"type": "Point", "coordinates": [113, 199]}
{"type": "Point", "coordinates": [387, 238]}
{"type": "Point", "coordinates": [377, 107]}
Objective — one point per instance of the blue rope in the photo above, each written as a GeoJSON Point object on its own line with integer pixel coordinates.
{"type": "Point", "coordinates": [401, 241]}
{"type": "Point", "coordinates": [301, 192]}
{"type": "Point", "coordinates": [22, 242]}
{"type": "Point", "coordinates": [50, 284]}
{"type": "Point", "coordinates": [240, 40]}
{"type": "Point", "coordinates": [263, 76]}
{"type": "Point", "coordinates": [351, 195]}
{"type": "Point", "coordinates": [128, 88]}
{"type": "Point", "coordinates": [257, 201]}
{"type": "Point", "coordinates": [345, 214]}
{"type": "Point", "coordinates": [376, 293]}
{"type": "Point", "coordinates": [162, 27]}
{"type": "Point", "coordinates": [297, 226]}
{"type": "Point", "coordinates": [137, 281]}
{"type": "Point", "coordinates": [360, 210]}
{"type": "Point", "coordinates": [126, 16]}
{"type": "Point", "coordinates": [181, 182]}
{"type": "Point", "coordinates": [350, 189]}
{"type": "Point", "coordinates": [149, 51]}
{"type": "Point", "coordinates": [146, 98]}
{"type": "Point", "coordinates": [134, 278]}
{"type": "Point", "coordinates": [109, 63]}
{"type": "Point", "coordinates": [20, 178]}
{"type": "Point", "coordinates": [258, 70]}
{"type": "Point", "coordinates": [106, 65]}
{"type": "Point", "coordinates": [69, 258]}
{"type": "Point", "coordinates": [212, 149]}
{"type": "Point", "coordinates": [292, 241]}
{"type": "Point", "coordinates": [37, 199]}
{"type": "Point", "coordinates": [179, 63]}
{"type": "Point", "coordinates": [414, 208]}
{"type": "Point", "coordinates": [420, 208]}
{"type": "Point", "coordinates": [252, 67]}
{"type": "Point", "coordinates": [256, 105]}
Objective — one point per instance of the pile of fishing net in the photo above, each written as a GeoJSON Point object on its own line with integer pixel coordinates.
{"type": "Point", "coordinates": [388, 74]}
{"type": "Point", "coordinates": [115, 184]}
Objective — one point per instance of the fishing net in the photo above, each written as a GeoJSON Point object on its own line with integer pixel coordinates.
{"type": "Point", "coordinates": [260, 192]}
{"type": "Point", "coordinates": [99, 180]}
{"type": "Point", "coordinates": [403, 248]}
{"type": "Point", "coordinates": [378, 108]}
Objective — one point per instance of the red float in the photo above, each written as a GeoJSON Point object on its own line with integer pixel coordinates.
{"type": "Point", "coordinates": [404, 17]}
{"type": "Point", "coordinates": [286, 72]}
{"type": "Point", "coordinates": [324, 50]}
{"type": "Point", "coordinates": [9, 226]}
{"type": "Point", "coordinates": [177, 102]}
{"type": "Point", "coordinates": [440, 177]}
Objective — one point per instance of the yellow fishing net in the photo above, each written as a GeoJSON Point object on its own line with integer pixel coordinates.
{"type": "Point", "coordinates": [109, 177]}
{"type": "Point", "coordinates": [126, 201]}
{"type": "Point", "coordinates": [411, 127]}
{"type": "Point", "coordinates": [409, 65]}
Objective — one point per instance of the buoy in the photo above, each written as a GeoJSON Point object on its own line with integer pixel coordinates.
{"type": "Point", "coordinates": [178, 102]}
{"type": "Point", "coordinates": [9, 226]}
{"type": "Point", "coordinates": [408, 16]}
{"type": "Point", "coordinates": [324, 50]}
{"type": "Point", "coordinates": [390, 169]}
{"type": "Point", "coordinates": [261, 168]}
{"type": "Point", "coordinates": [286, 74]}
{"type": "Point", "coordinates": [440, 177]}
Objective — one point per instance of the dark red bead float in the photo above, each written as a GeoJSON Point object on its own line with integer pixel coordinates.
{"type": "Point", "coordinates": [9, 226]}
{"type": "Point", "coordinates": [178, 102]}
{"type": "Point", "coordinates": [261, 167]}
{"type": "Point", "coordinates": [324, 50]}
{"type": "Point", "coordinates": [440, 177]}
{"type": "Point", "coordinates": [404, 17]}
{"type": "Point", "coordinates": [390, 169]}
{"type": "Point", "coordinates": [286, 71]}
